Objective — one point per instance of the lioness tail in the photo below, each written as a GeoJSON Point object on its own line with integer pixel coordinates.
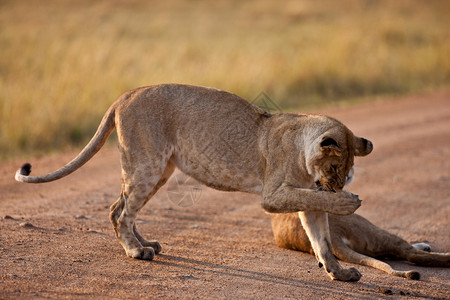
{"type": "Point", "coordinates": [98, 140]}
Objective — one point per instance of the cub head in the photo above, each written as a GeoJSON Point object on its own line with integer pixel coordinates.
{"type": "Point", "coordinates": [330, 156]}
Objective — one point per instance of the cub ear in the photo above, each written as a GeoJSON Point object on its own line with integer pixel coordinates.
{"type": "Point", "coordinates": [362, 146]}
{"type": "Point", "coordinates": [331, 146]}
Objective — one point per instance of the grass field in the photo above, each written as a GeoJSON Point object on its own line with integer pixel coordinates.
{"type": "Point", "coordinates": [62, 63]}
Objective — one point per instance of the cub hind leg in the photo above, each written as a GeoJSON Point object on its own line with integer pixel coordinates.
{"type": "Point", "coordinates": [420, 255]}
{"type": "Point", "coordinates": [345, 253]}
{"type": "Point", "coordinates": [139, 184]}
{"type": "Point", "coordinates": [422, 246]}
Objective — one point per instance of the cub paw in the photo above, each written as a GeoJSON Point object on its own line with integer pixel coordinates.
{"type": "Point", "coordinates": [422, 246]}
{"type": "Point", "coordinates": [414, 275]}
{"type": "Point", "coordinates": [146, 253]}
{"type": "Point", "coordinates": [350, 274]}
{"type": "Point", "coordinates": [345, 203]}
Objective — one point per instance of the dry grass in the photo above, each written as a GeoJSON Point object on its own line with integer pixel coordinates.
{"type": "Point", "coordinates": [62, 63]}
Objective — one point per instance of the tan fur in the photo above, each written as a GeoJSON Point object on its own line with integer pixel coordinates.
{"type": "Point", "coordinates": [226, 143]}
{"type": "Point", "coordinates": [356, 240]}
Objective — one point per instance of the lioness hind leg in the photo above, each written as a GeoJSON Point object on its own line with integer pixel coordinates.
{"type": "Point", "coordinates": [316, 227]}
{"type": "Point", "coordinates": [154, 244]}
{"type": "Point", "coordinates": [137, 189]}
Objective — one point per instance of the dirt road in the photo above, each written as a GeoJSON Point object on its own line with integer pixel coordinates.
{"type": "Point", "coordinates": [56, 240]}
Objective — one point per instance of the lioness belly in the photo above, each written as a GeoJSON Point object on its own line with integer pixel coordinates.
{"type": "Point", "coordinates": [225, 175]}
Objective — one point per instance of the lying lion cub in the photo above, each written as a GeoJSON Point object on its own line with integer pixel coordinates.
{"type": "Point", "coordinates": [356, 240]}
{"type": "Point", "coordinates": [229, 144]}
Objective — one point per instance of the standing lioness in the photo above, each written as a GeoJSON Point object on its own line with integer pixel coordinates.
{"type": "Point", "coordinates": [223, 141]}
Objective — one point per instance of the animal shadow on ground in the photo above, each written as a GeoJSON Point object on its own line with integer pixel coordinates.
{"type": "Point", "coordinates": [223, 270]}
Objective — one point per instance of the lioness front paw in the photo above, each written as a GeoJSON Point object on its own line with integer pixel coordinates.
{"type": "Point", "coordinates": [146, 253]}
{"type": "Point", "coordinates": [350, 274]}
{"type": "Point", "coordinates": [345, 203]}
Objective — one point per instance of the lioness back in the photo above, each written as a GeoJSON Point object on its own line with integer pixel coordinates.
{"type": "Point", "coordinates": [185, 117]}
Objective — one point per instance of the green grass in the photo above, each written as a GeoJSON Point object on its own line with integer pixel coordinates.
{"type": "Point", "coordinates": [62, 63]}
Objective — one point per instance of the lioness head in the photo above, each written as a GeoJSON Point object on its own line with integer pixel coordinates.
{"type": "Point", "coordinates": [330, 156]}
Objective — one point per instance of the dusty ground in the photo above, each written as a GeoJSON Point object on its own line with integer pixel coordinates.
{"type": "Point", "coordinates": [56, 240]}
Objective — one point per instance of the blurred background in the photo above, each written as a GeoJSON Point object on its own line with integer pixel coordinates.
{"type": "Point", "coordinates": [62, 63]}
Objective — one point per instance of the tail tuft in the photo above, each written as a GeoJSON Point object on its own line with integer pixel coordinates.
{"type": "Point", "coordinates": [25, 170]}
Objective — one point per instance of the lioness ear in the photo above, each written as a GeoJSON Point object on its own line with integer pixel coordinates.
{"type": "Point", "coordinates": [362, 146]}
{"type": "Point", "coordinates": [331, 146]}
